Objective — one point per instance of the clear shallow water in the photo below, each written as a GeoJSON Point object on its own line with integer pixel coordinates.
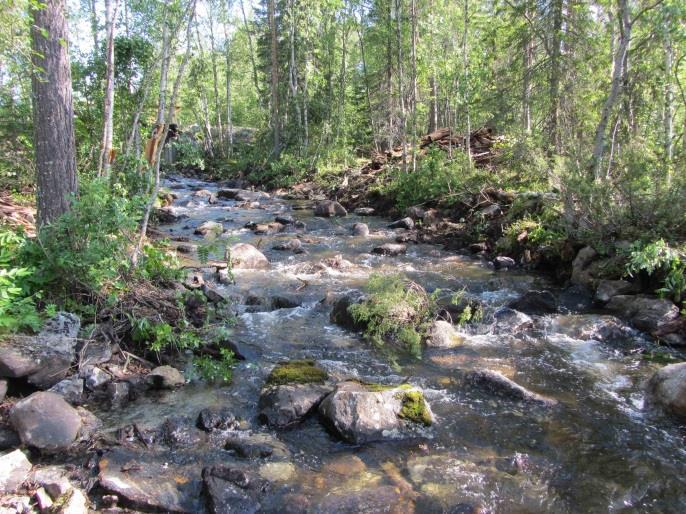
{"type": "Point", "coordinates": [595, 451]}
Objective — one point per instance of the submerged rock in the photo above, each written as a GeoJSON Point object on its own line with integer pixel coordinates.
{"type": "Point", "coordinates": [45, 421]}
{"type": "Point", "coordinates": [666, 390]}
{"type": "Point", "coordinates": [292, 245]}
{"type": "Point", "coordinates": [329, 208]}
{"type": "Point", "coordinates": [257, 446]}
{"type": "Point", "coordinates": [498, 384]}
{"type": "Point", "coordinates": [147, 482]}
{"type": "Point", "coordinates": [210, 229]}
{"type": "Point", "coordinates": [510, 321]}
{"type": "Point", "coordinates": [216, 419]}
{"type": "Point", "coordinates": [179, 431]}
{"type": "Point", "coordinates": [372, 500]}
{"type": "Point", "coordinates": [285, 405]}
{"type": "Point", "coordinates": [360, 413]}
{"type": "Point", "coordinates": [364, 211]}
{"type": "Point", "coordinates": [231, 489]}
{"type": "Point", "coordinates": [390, 249]}
{"type": "Point", "coordinates": [644, 312]}
{"type": "Point", "coordinates": [245, 256]}
{"type": "Point", "coordinates": [296, 372]}
{"type": "Point", "coordinates": [14, 468]}
{"type": "Point", "coordinates": [360, 230]}
{"type": "Point", "coordinates": [165, 377]}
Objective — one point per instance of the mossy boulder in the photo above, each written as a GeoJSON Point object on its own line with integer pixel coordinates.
{"type": "Point", "coordinates": [360, 413]}
{"type": "Point", "coordinates": [296, 372]}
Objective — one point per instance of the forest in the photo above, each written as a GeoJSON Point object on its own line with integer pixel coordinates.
{"type": "Point", "coordinates": [342, 256]}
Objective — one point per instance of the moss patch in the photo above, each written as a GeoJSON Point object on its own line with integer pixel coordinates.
{"type": "Point", "coordinates": [296, 372]}
{"type": "Point", "coordinates": [415, 408]}
{"type": "Point", "coordinates": [377, 388]}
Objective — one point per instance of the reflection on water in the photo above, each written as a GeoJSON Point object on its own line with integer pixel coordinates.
{"type": "Point", "coordinates": [594, 451]}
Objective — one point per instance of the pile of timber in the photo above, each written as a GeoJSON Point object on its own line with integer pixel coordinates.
{"type": "Point", "coordinates": [15, 215]}
{"type": "Point", "coordinates": [481, 147]}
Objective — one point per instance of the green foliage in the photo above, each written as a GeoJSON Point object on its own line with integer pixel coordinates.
{"type": "Point", "coordinates": [397, 311]}
{"type": "Point", "coordinates": [296, 372]}
{"type": "Point", "coordinates": [659, 259]}
{"type": "Point", "coordinates": [436, 178]}
{"type": "Point", "coordinates": [216, 370]}
{"type": "Point", "coordinates": [414, 408]}
{"type": "Point", "coordinates": [161, 336]}
{"type": "Point", "coordinates": [189, 155]}
{"type": "Point", "coordinates": [17, 304]}
{"type": "Point", "coordinates": [158, 266]}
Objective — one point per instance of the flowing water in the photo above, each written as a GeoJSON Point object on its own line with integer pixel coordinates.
{"type": "Point", "coordinates": [595, 451]}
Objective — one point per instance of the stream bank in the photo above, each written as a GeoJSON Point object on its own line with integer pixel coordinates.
{"type": "Point", "coordinates": [542, 412]}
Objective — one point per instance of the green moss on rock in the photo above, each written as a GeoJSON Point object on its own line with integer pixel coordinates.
{"type": "Point", "coordinates": [297, 372]}
{"type": "Point", "coordinates": [414, 408]}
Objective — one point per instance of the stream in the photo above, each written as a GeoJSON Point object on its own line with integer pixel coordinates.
{"type": "Point", "coordinates": [594, 451]}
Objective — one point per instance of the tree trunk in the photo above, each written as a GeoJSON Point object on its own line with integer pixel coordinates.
{"type": "Point", "coordinates": [53, 112]}
{"type": "Point", "coordinates": [465, 86]}
{"type": "Point", "coordinates": [252, 52]}
{"type": "Point", "coordinates": [215, 79]}
{"type": "Point", "coordinates": [401, 92]}
{"type": "Point", "coordinates": [620, 60]}
{"type": "Point", "coordinates": [669, 99]}
{"type": "Point", "coordinates": [106, 156]}
{"type": "Point", "coordinates": [229, 116]}
{"type": "Point", "coordinates": [413, 18]}
{"type": "Point", "coordinates": [366, 87]}
{"type": "Point", "coordinates": [527, 63]}
{"type": "Point", "coordinates": [276, 128]}
{"type": "Point", "coordinates": [555, 76]}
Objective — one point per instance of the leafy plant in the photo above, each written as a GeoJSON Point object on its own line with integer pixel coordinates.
{"type": "Point", "coordinates": [397, 311]}
{"type": "Point", "coordinates": [660, 259]}
{"type": "Point", "coordinates": [216, 370]}
{"type": "Point", "coordinates": [17, 305]}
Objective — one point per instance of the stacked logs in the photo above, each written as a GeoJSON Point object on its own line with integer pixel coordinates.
{"type": "Point", "coordinates": [481, 146]}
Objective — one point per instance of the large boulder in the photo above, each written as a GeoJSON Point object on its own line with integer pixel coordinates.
{"type": "Point", "coordinates": [340, 315]}
{"type": "Point", "coordinates": [360, 229]}
{"type": "Point", "coordinates": [14, 468]}
{"type": "Point", "coordinates": [286, 405]}
{"type": "Point", "coordinates": [257, 446]}
{"type": "Point", "coordinates": [232, 489]}
{"type": "Point", "coordinates": [443, 335]}
{"type": "Point", "coordinates": [606, 289]}
{"type": "Point", "coordinates": [644, 312]}
{"type": "Point", "coordinates": [535, 302]}
{"type": "Point", "coordinates": [510, 321]}
{"type": "Point", "coordinates": [580, 273]}
{"type": "Point", "coordinates": [329, 208]}
{"type": "Point", "coordinates": [45, 421]}
{"type": "Point", "coordinates": [406, 223]}
{"type": "Point", "coordinates": [666, 390]}
{"type": "Point", "coordinates": [245, 256]}
{"type": "Point", "coordinates": [390, 249]}
{"type": "Point", "coordinates": [359, 413]}
{"type": "Point", "coordinates": [45, 358]}
{"type": "Point", "coordinates": [498, 384]}
{"type": "Point", "coordinates": [210, 229]}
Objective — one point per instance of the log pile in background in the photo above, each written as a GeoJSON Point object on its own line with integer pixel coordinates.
{"type": "Point", "coordinates": [15, 215]}
{"type": "Point", "coordinates": [481, 145]}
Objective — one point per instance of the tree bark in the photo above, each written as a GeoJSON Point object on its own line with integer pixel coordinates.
{"type": "Point", "coordinates": [108, 107]}
{"type": "Point", "coordinates": [276, 128]}
{"type": "Point", "coordinates": [555, 76]}
{"type": "Point", "coordinates": [215, 78]}
{"type": "Point", "coordinates": [229, 114]}
{"type": "Point", "coordinates": [53, 112]}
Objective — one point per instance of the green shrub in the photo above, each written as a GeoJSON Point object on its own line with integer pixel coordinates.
{"type": "Point", "coordinates": [216, 369]}
{"type": "Point", "coordinates": [397, 311]}
{"type": "Point", "coordinates": [189, 155]}
{"type": "Point", "coordinates": [666, 263]}
{"type": "Point", "coordinates": [17, 302]}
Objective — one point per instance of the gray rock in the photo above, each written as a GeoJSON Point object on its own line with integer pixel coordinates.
{"type": "Point", "coordinates": [340, 315]}
{"type": "Point", "coordinates": [167, 215]}
{"type": "Point", "coordinates": [359, 414]}
{"type": "Point", "coordinates": [3, 390]}
{"type": "Point", "coordinates": [76, 503]}
{"type": "Point", "coordinates": [511, 321]}
{"type": "Point", "coordinates": [364, 211]}
{"type": "Point", "coordinates": [666, 390]}
{"type": "Point", "coordinates": [147, 482]}
{"type": "Point", "coordinates": [329, 208]}
{"type": "Point", "coordinates": [406, 223]}
{"type": "Point", "coordinates": [491, 211]}
{"type": "Point", "coordinates": [415, 212]}
{"type": "Point", "coordinates": [502, 262]}
{"type": "Point", "coordinates": [285, 219]}
{"type": "Point", "coordinates": [213, 295]}
{"type": "Point", "coordinates": [606, 289]}
{"type": "Point", "coordinates": [285, 405]}
{"type": "Point", "coordinates": [360, 229]}
{"type": "Point", "coordinates": [210, 229]}
{"type": "Point", "coordinates": [292, 245]}
{"type": "Point", "coordinates": [53, 479]}
{"type": "Point", "coordinates": [71, 389]}
{"type": "Point", "coordinates": [43, 500]}
{"type": "Point", "coordinates": [93, 353]}
{"type": "Point", "coordinates": [245, 256]}
{"type": "Point", "coordinates": [535, 302]}
{"type": "Point", "coordinates": [8, 439]}
{"type": "Point", "coordinates": [45, 358]}
{"type": "Point", "coordinates": [478, 247]}
{"type": "Point", "coordinates": [94, 377]}
{"type": "Point", "coordinates": [257, 446]}
{"type": "Point", "coordinates": [390, 249]}
{"type": "Point", "coordinates": [165, 377]}
{"type": "Point", "coordinates": [442, 335]}
{"type": "Point", "coordinates": [231, 489]}
{"type": "Point", "coordinates": [644, 312]}
{"type": "Point", "coordinates": [14, 468]}
{"type": "Point", "coordinates": [575, 298]}
{"type": "Point", "coordinates": [498, 384]}
{"type": "Point", "coordinates": [211, 419]}
{"type": "Point", "coordinates": [90, 424]}
{"type": "Point", "coordinates": [180, 432]}
{"type": "Point", "coordinates": [45, 421]}
{"type": "Point", "coordinates": [580, 273]}
{"type": "Point", "coordinates": [229, 194]}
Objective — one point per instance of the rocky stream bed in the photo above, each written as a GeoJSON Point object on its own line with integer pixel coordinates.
{"type": "Point", "coordinates": [540, 407]}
